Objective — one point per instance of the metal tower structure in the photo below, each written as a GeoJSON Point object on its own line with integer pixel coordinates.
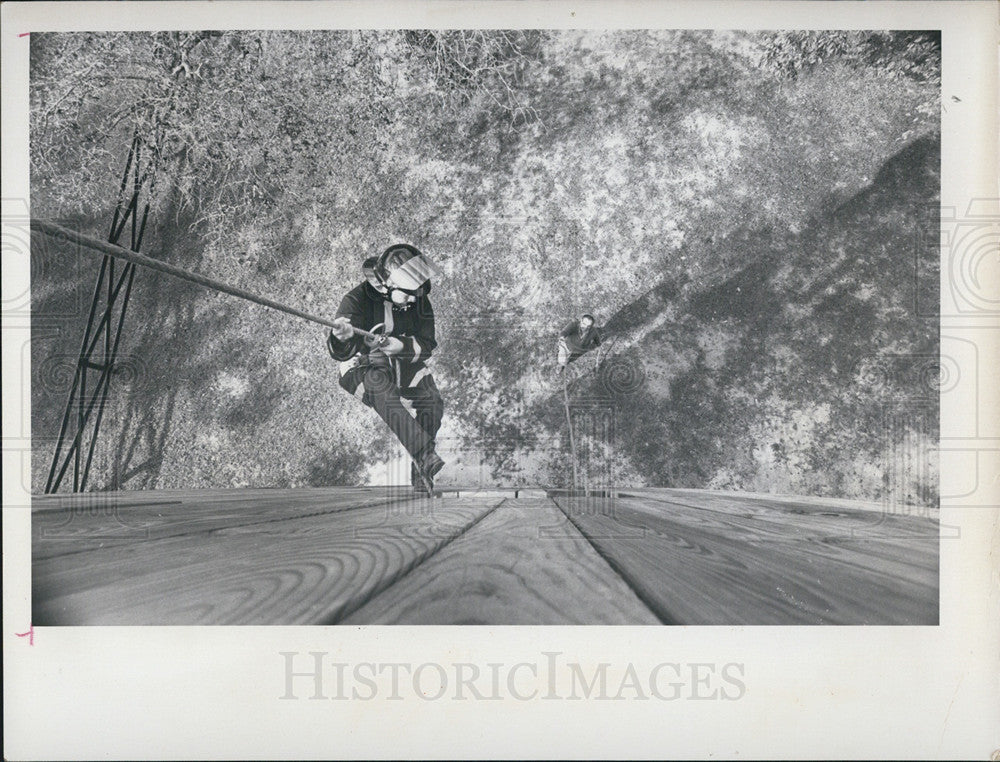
{"type": "Point", "coordinates": [81, 422]}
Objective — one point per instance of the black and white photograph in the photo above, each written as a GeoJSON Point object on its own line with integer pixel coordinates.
{"type": "Point", "coordinates": [485, 327]}
{"type": "Point", "coordinates": [494, 324]}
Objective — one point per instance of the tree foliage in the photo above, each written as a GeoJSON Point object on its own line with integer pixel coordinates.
{"type": "Point", "coordinates": [702, 192]}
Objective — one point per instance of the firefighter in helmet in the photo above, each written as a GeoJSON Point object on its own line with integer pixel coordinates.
{"type": "Point", "coordinates": [576, 339]}
{"type": "Point", "coordinates": [391, 375]}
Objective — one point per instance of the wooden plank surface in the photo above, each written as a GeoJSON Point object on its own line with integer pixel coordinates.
{"type": "Point", "coordinates": [714, 559]}
{"type": "Point", "coordinates": [861, 518]}
{"type": "Point", "coordinates": [510, 569]}
{"type": "Point", "coordinates": [365, 555]}
{"type": "Point", "coordinates": [789, 517]}
{"type": "Point", "coordinates": [301, 568]}
{"type": "Point", "coordinates": [73, 523]}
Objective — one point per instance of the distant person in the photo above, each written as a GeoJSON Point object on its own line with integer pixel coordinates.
{"type": "Point", "coordinates": [576, 339]}
{"type": "Point", "coordinates": [388, 373]}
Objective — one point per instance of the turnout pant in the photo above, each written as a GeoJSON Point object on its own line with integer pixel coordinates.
{"type": "Point", "coordinates": [563, 356]}
{"type": "Point", "coordinates": [382, 394]}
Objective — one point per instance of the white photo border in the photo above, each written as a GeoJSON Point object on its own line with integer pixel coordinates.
{"type": "Point", "coordinates": [809, 692]}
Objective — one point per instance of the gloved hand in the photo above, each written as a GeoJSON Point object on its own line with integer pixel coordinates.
{"type": "Point", "coordinates": [342, 329]}
{"type": "Point", "coordinates": [391, 346]}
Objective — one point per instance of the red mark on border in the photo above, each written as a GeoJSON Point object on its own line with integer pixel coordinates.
{"type": "Point", "coordinates": [30, 634]}
{"type": "Point", "coordinates": [24, 34]}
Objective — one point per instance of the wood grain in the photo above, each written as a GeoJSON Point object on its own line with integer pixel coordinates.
{"type": "Point", "coordinates": [365, 555]}
{"type": "Point", "coordinates": [725, 560]}
{"type": "Point", "coordinates": [505, 572]}
{"type": "Point", "coordinates": [75, 523]}
{"type": "Point", "coordinates": [295, 569]}
{"type": "Point", "coordinates": [813, 514]}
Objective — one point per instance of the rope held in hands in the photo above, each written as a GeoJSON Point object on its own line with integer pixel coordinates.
{"type": "Point", "coordinates": [61, 233]}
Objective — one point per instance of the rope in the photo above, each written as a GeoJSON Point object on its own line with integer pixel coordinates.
{"type": "Point", "coordinates": [569, 422]}
{"type": "Point", "coordinates": [118, 252]}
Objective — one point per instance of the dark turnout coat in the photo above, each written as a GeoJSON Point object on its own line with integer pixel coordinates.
{"type": "Point", "coordinates": [579, 342]}
{"type": "Point", "coordinates": [366, 308]}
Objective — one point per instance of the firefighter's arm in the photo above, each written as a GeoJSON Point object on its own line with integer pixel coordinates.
{"type": "Point", "coordinates": [342, 342]}
{"type": "Point", "coordinates": [421, 344]}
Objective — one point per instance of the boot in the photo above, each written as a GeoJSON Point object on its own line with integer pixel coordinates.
{"type": "Point", "coordinates": [430, 463]}
{"type": "Point", "coordinates": [416, 482]}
